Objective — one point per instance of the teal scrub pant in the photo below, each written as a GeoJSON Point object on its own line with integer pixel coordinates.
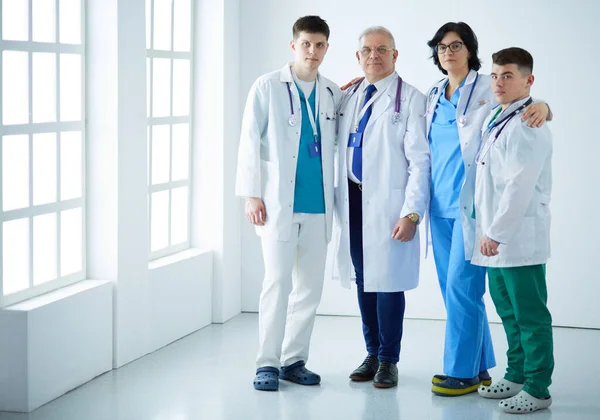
{"type": "Point", "coordinates": [468, 346]}
{"type": "Point", "coordinates": [520, 296]}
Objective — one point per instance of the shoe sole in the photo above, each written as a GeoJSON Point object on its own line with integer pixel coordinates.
{"type": "Point", "coordinates": [485, 382]}
{"type": "Point", "coordinates": [299, 382]}
{"type": "Point", "coordinates": [380, 385]}
{"type": "Point", "coordinates": [451, 392]}
{"type": "Point", "coordinates": [361, 378]}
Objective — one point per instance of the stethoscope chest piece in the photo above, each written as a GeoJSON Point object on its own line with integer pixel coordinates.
{"type": "Point", "coordinates": [462, 121]}
{"type": "Point", "coordinates": [292, 120]}
{"type": "Point", "coordinates": [395, 118]}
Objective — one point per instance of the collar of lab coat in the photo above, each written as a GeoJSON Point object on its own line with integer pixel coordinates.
{"type": "Point", "coordinates": [383, 84]}
{"type": "Point", "coordinates": [508, 110]}
{"type": "Point", "coordinates": [285, 74]}
{"type": "Point", "coordinates": [512, 107]}
{"type": "Point", "coordinates": [442, 83]}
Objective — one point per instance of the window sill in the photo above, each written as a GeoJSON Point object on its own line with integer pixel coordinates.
{"type": "Point", "coordinates": [177, 257]}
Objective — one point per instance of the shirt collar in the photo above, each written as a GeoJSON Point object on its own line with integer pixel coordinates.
{"type": "Point", "coordinates": [381, 84]}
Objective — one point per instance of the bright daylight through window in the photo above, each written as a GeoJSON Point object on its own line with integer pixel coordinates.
{"type": "Point", "coordinates": [42, 204]}
{"type": "Point", "coordinates": [168, 64]}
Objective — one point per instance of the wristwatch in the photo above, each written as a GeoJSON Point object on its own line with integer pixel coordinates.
{"type": "Point", "coordinates": [414, 217]}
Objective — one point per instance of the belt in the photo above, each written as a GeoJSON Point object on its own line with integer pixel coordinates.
{"type": "Point", "coordinates": [359, 186]}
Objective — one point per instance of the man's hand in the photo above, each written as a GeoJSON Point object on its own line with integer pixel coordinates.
{"type": "Point", "coordinates": [488, 247]}
{"type": "Point", "coordinates": [536, 113]}
{"type": "Point", "coordinates": [255, 211]}
{"type": "Point", "coordinates": [350, 83]}
{"type": "Point", "coordinates": [404, 230]}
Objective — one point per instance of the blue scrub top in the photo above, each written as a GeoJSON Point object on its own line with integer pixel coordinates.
{"type": "Point", "coordinates": [308, 192]}
{"type": "Point", "coordinates": [447, 165]}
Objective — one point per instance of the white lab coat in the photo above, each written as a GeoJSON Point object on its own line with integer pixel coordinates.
{"type": "Point", "coordinates": [512, 193]}
{"type": "Point", "coordinates": [482, 101]}
{"type": "Point", "coordinates": [395, 183]}
{"type": "Point", "coordinates": [268, 149]}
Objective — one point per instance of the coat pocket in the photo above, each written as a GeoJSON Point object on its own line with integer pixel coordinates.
{"type": "Point", "coordinates": [522, 245]}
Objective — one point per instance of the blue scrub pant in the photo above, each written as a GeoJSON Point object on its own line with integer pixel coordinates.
{"type": "Point", "coordinates": [382, 313]}
{"type": "Point", "coordinates": [468, 346]}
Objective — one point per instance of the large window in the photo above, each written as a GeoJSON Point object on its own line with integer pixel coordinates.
{"type": "Point", "coordinates": [169, 62]}
{"type": "Point", "coordinates": [42, 205]}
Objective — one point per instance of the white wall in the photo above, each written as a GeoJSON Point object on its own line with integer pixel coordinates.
{"type": "Point", "coordinates": [558, 36]}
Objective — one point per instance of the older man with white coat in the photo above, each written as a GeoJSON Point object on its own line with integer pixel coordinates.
{"type": "Point", "coordinates": [382, 187]}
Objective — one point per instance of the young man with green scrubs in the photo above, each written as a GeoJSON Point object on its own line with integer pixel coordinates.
{"type": "Point", "coordinates": [512, 192]}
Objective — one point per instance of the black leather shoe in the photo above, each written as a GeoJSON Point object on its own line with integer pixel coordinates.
{"type": "Point", "coordinates": [366, 371]}
{"type": "Point", "coordinates": [386, 376]}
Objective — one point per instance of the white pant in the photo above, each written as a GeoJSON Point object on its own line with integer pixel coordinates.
{"type": "Point", "coordinates": [285, 320]}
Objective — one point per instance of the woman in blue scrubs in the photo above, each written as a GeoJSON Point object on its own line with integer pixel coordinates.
{"type": "Point", "coordinates": [456, 108]}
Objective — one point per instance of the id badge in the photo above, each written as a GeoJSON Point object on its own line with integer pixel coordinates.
{"type": "Point", "coordinates": [355, 139]}
{"type": "Point", "coordinates": [314, 149]}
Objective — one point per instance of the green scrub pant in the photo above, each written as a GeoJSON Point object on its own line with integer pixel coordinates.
{"type": "Point", "coordinates": [520, 296]}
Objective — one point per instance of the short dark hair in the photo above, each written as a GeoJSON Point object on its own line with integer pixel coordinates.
{"type": "Point", "coordinates": [468, 37]}
{"type": "Point", "coordinates": [312, 25]}
{"type": "Point", "coordinates": [514, 55]}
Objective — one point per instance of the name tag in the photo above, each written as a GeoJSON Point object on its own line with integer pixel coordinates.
{"type": "Point", "coordinates": [355, 139]}
{"type": "Point", "coordinates": [314, 149]}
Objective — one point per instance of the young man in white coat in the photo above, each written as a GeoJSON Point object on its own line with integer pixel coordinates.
{"type": "Point", "coordinates": [512, 192]}
{"type": "Point", "coordinates": [381, 194]}
{"type": "Point", "coordinates": [285, 172]}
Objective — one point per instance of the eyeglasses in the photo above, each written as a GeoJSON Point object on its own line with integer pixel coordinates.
{"type": "Point", "coordinates": [456, 46]}
{"type": "Point", "coordinates": [381, 50]}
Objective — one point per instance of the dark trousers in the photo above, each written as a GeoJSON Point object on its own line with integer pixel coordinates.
{"type": "Point", "coordinates": [382, 313]}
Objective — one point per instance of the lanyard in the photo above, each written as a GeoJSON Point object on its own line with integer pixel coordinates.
{"type": "Point", "coordinates": [311, 117]}
{"type": "Point", "coordinates": [366, 106]}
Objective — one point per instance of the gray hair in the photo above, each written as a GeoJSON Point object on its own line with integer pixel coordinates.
{"type": "Point", "coordinates": [376, 30]}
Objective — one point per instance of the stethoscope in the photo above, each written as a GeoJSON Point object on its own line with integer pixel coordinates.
{"type": "Point", "coordinates": [462, 120]}
{"type": "Point", "coordinates": [292, 119]}
{"type": "Point", "coordinates": [395, 115]}
{"type": "Point", "coordinates": [485, 148]}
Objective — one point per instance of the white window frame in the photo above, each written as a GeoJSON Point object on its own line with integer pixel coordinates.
{"type": "Point", "coordinates": [35, 128]}
{"type": "Point", "coordinates": [151, 53]}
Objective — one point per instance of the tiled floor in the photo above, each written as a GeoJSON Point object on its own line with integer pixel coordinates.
{"type": "Point", "coordinates": [208, 375]}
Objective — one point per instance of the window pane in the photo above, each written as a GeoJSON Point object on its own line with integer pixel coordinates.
{"type": "Point", "coordinates": [179, 215]}
{"type": "Point", "coordinates": [181, 87]}
{"type": "Point", "coordinates": [70, 87]}
{"type": "Point", "coordinates": [70, 241]}
{"type": "Point", "coordinates": [15, 243]}
{"type": "Point", "coordinates": [148, 22]}
{"type": "Point", "coordinates": [181, 152]}
{"type": "Point", "coordinates": [70, 165]}
{"type": "Point", "coordinates": [160, 154]}
{"type": "Point", "coordinates": [44, 248]}
{"type": "Point", "coordinates": [15, 172]}
{"type": "Point", "coordinates": [159, 220]}
{"type": "Point", "coordinates": [15, 87]}
{"type": "Point", "coordinates": [162, 24]}
{"type": "Point", "coordinates": [148, 155]}
{"type": "Point", "coordinates": [161, 87]}
{"type": "Point", "coordinates": [181, 28]}
{"type": "Point", "coordinates": [44, 168]}
{"type": "Point", "coordinates": [44, 21]}
{"type": "Point", "coordinates": [148, 91]}
{"type": "Point", "coordinates": [15, 20]}
{"type": "Point", "coordinates": [44, 87]}
{"type": "Point", "coordinates": [69, 25]}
